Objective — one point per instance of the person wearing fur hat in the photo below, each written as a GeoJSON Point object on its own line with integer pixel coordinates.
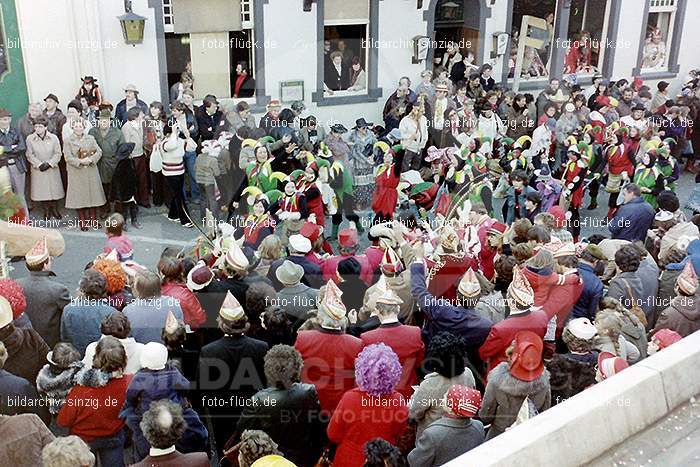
{"type": "Point", "coordinates": [405, 340]}
{"type": "Point", "coordinates": [521, 379]}
{"type": "Point", "coordinates": [328, 352]}
{"type": "Point", "coordinates": [574, 371]}
{"type": "Point", "coordinates": [452, 435]}
{"type": "Point", "coordinates": [13, 387]}
{"type": "Point", "coordinates": [57, 378]}
{"type": "Point", "coordinates": [683, 313]}
{"type": "Point", "coordinates": [373, 409]}
{"type": "Point", "coordinates": [442, 314]}
{"type": "Point", "coordinates": [45, 296]}
{"type": "Point", "coordinates": [292, 419]}
{"type": "Point", "coordinates": [157, 380]}
{"type": "Point", "coordinates": [91, 410]}
{"type": "Point", "coordinates": [230, 351]}
{"type": "Point", "coordinates": [524, 316]}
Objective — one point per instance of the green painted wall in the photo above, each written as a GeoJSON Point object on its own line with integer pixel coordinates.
{"type": "Point", "coordinates": [13, 83]}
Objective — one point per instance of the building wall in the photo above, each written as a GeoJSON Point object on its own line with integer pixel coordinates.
{"type": "Point", "coordinates": [67, 39]}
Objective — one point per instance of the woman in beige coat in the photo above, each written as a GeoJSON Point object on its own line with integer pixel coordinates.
{"type": "Point", "coordinates": [85, 193]}
{"type": "Point", "coordinates": [44, 154]}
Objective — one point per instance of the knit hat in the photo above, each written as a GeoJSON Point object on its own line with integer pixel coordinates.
{"type": "Point", "coordinates": [231, 309]}
{"type": "Point", "coordinates": [11, 291]}
{"type": "Point", "coordinates": [582, 328]}
{"type": "Point", "coordinates": [462, 401]}
{"type": "Point", "coordinates": [565, 249]}
{"type": "Point", "coordinates": [665, 337]}
{"type": "Point", "coordinates": [332, 304]}
{"type": "Point", "coordinates": [469, 284]}
{"type": "Point", "coordinates": [347, 238]}
{"type": "Point", "coordinates": [687, 281]}
{"type": "Point", "coordinates": [5, 312]}
{"type": "Point", "coordinates": [289, 273]}
{"type": "Point", "coordinates": [520, 289]}
{"type": "Point", "coordinates": [389, 297]}
{"type": "Point", "coordinates": [526, 360]}
{"type": "Point", "coordinates": [38, 254]}
{"type": "Point", "coordinates": [610, 365]}
{"type": "Point", "coordinates": [560, 216]}
{"type": "Point", "coordinates": [154, 356]}
{"type": "Point", "coordinates": [300, 243]}
{"type": "Point", "coordinates": [199, 276]}
{"type": "Point", "coordinates": [391, 263]}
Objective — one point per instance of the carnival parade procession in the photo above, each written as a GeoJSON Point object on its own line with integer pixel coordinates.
{"type": "Point", "coordinates": [373, 233]}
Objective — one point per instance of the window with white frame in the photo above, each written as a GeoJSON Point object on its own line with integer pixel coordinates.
{"type": "Point", "coordinates": [659, 34]}
{"type": "Point", "coordinates": [246, 15]}
{"type": "Point", "coordinates": [535, 59]}
{"type": "Point", "coordinates": [345, 32]}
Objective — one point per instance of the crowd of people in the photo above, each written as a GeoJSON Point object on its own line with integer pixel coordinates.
{"type": "Point", "coordinates": [278, 338]}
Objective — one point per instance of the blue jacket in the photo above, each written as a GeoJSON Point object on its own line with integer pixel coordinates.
{"type": "Point", "coordinates": [120, 112]}
{"type": "Point", "coordinates": [442, 315]}
{"type": "Point", "coordinates": [12, 387]}
{"type": "Point", "coordinates": [632, 220]}
{"type": "Point", "coordinates": [587, 303]}
{"type": "Point", "coordinates": [147, 317]}
{"type": "Point", "coordinates": [81, 320]}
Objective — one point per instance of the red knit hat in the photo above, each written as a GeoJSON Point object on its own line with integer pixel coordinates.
{"type": "Point", "coordinates": [462, 401]}
{"type": "Point", "coordinates": [559, 216]}
{"type": "Point", "coordinates": [347, 238]}
{"type": "Point", "coordinates": [14, 293]}
{"type": "Point", "coordinates": [498, 228]}
{"type": "Point", "coordinates": [526, 361]}
{"type": "Point", "coordinates": [666, 337]}
{"type": "Point", "coordinates": [609, 364]}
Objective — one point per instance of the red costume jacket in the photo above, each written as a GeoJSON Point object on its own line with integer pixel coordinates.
{"type": "Point", "coordinates": [314, 201]}
{"type": "Point", "coordinates": [385, 195]}
{"type": "Point", "coordinates": [619, 160]}
{"type": "Point", "coordinates": [544, 282]}
{"type": "Point", "coordinates": [406, 341]}
{"type": "Point", "coordinates": [445, 278]}
{"type": "Point", "coordinates": [361, 418]}
{"type": "Point", "coordinates": [329, 363]}
{"type": "Point", "coordinates": [330, 267]}
{"type": "Point", "coordinates": [493, 350]}
{"type": "Point", "coordinates": [192, 311]}
{"type": "Point", "coordinates": [574, 175]}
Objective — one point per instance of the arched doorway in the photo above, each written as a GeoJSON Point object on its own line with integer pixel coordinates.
{"type": "Point", "coordinates": [458, 21]}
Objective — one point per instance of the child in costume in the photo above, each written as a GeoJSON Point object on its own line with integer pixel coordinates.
{"type": "Point", "coordinates": [387, 177]}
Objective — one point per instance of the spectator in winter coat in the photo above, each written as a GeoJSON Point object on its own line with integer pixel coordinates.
{"type": "Point", "coordinates": [610, 338]}
{"type": "Point", "coordinates": [453, 434]}
{"type": "Point", "coordinates": [118, 326]}
{"type": "Point", "coordinates": [163, 426]}
{"type": "Point", "coordinates": [447, 364]}
{"type": "Point", "coordinates": [91, 410]}
{"type": "Point", "coordinates": [587, 303]}
{"type": "Point", "coordinates": [171, 270]}
{"type": "Point", "coordinates": [57, 378]}
{"type": "Point", "coordinates": [292, 419]}
{"type": "Point", "coordinates": [634, 218]}
{"type": "Point", "coordinates": [22, 437]}
{"type": "Point", "coordinates": [45, 296]}
{"type": "Point", "coordinates": [683, 314]}
{"type": "Point", "coordinates": [156, 381]}
{"type": "Point", "coordinates": [14, 387]}
{"type": "Point", "coordinates": [523, 377]}
{"type": "Point", "coordinates": [574, 371]}
{"type": "Point", "coordinates": [373, 409]}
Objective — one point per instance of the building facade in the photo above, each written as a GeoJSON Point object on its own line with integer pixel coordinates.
{"type": "Point", "coordinates": [287, 45]}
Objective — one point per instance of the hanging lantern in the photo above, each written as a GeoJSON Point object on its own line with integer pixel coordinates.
{"type": "Point", "coordinates": [132, 25]}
